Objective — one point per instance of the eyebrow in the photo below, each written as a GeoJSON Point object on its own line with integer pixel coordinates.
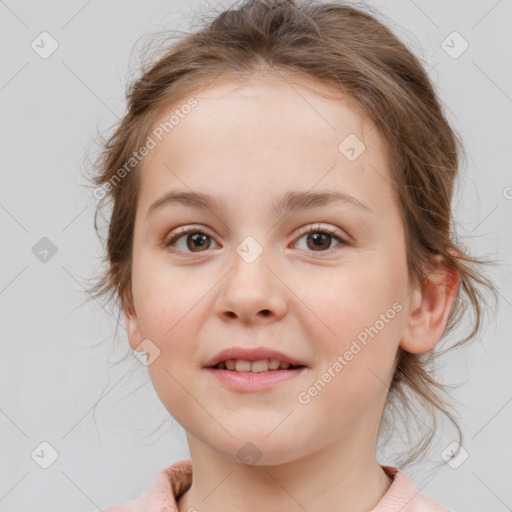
{"type": "Point", "coordinates": [290, 201]}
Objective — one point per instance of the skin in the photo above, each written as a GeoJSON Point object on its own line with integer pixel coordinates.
{"type": "Point", "coordinates": [247, 142]}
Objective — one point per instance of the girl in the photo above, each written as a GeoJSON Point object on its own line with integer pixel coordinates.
{"type": "Point", "coordinates": [281, 248]}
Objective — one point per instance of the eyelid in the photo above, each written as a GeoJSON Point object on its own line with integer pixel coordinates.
{"type": "Point", "coordinates": [325, 228]}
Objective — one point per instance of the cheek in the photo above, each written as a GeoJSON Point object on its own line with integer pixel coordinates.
{"type": "Point", "coordinates": [169, 310]}
{"type": "Point", "coordinates": [166, 298]}
{"type": "Point", "coordinates": [357, 316]}
{"type": "Point", "coordinates": [349, 297]}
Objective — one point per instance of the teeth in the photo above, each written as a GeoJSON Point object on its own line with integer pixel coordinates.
{"type": "Point", "coordinates": [259, 366]}
{"type": "Point", "coordinates": [273, 364]}
{"type": "Point", "coordinates": [263, 365]}
{"type": "Point", "coordinates": [242, 366]}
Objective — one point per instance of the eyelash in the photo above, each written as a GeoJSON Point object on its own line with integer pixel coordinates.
{"type": "Point", "coordinates": [179, 233]}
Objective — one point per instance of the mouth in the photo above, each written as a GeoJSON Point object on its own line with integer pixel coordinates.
{"type": "Point", "coordinates": [260, 366]}
{"type": "Point", "coordinates": [244, 376]}
{"type": "Point", "coordinates": [253, 359]}
{"type": "Point", "coordinates": [253, 369]}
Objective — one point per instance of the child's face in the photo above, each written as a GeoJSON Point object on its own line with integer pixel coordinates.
{"type": "Point", "coordinates": [247, 144]}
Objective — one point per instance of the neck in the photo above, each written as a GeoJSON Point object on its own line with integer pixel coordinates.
{"type": "Point", "coordinates": [333, 478]}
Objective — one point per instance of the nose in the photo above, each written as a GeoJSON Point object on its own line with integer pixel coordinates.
{"type": "Point", "coordinates": [251, 292]}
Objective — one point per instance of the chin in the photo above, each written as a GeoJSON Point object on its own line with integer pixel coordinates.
{"type": "Point", "coordinates": [258, 449]}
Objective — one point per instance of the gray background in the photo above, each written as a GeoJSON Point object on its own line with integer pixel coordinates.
{"type": "Point", "coordinates": [57, 351]}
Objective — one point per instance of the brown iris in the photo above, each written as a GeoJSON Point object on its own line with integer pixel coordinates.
{"type": "Point", "coordinates": [196, 240]}
{"type": "Point", "coordinates": [319, 239]}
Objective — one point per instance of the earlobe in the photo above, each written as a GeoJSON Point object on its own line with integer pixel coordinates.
{"type": "Point", "coordinates": [133, 331]}
{"type": "Point", "coordinates": [429, 310]}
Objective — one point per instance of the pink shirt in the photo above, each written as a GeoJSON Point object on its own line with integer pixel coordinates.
{"type": "Point", "coordinates": [172, 482]}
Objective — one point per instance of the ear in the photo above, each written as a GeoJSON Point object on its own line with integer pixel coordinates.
{"type": "Point", "coordinates": [429, 309]}
{"type": "Point", "coordinates": [133, 330]}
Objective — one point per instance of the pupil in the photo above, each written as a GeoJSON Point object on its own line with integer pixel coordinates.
{"type": "Point", "coordinates": [319, 239]}
{"type": "Point", "coordinates": [197, 240]}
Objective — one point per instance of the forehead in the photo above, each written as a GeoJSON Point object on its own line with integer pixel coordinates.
{"type": "Point", "coordinates": [269, 105]}
{"type": "Point", "coordinates": [265, 133]}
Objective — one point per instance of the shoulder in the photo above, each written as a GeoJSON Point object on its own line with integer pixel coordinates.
{"type": "Point", "coordinates": [402, 495]}
{"type": "Point", "coordinates": [168, 486]}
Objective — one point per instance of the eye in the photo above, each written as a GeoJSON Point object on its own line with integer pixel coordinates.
{"type": "Point", "coordinates": [199, 240]}
{"type": "Point", "coordinates": [193, 239]}
{"type": "Point", "coordinates": [319, 238]}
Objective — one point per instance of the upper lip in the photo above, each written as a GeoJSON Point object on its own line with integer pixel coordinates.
{"type": "Point", "coordinates": [251, 354]}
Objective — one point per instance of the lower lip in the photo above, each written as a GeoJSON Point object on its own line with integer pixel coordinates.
{"type": "Point", "coordinates": [248, 381]}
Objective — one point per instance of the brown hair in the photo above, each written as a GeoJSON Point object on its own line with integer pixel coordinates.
{"type": "Point", "coordinates": [342, 46]}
